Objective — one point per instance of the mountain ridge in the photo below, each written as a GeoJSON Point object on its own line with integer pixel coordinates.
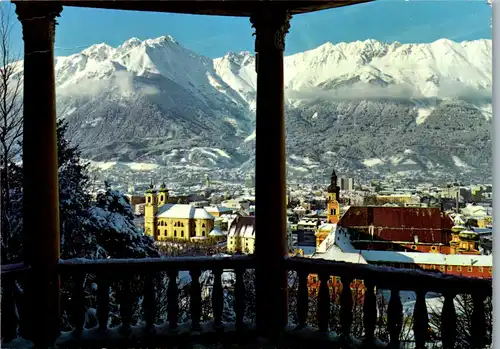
{"type": "Point", "coordinates": [157, 101]}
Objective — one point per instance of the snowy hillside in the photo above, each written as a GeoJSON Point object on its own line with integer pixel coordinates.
{"type": "Point", "coordinates": [406, 109]}
{"type": "Point", "coordinates": [361, 106]}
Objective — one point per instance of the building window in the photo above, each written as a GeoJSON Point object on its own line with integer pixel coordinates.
{"type": "Point", "coordinates": [491, 270]}
{"type": "Point", "coordinates": [161, 198]}
{"type": "Point", "coordinates": [182, 233]}
{"type": "Point", "coordinates": [459, 268]}
{"type": "Point", "coordinates": [175, 232]}
{"type": "Point", "coordinates": [470, 269]}
{"type": "Point", "coordinates": [203, 233]}
{"type": "Point", "coordinates": [442, 268]}
{"type": "Point", "coordinates": [433, 267]}
{"type": "Point", "coordinates": [158, 231]}
{"type": "Point", "coordinates": [413, 247]}
{"type": "Point", "coordinates": [179, 224]}
{"type": "Point", "coordinates": [165, 232]}
{"type": "Point", "coordinates": [450, 268]}
{"type": "Point", "coordinates": [480, 269]}
{"type": "Point", "coordinates": [433, 248]}
{"type": "Point", "coordinates": [149, 199]}
{"type": "Point", "coordinates": [203, 225]}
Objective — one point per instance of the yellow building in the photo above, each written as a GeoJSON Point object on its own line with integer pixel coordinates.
{"type": "Point", "coordinates": [241, 235]}
{"type": "Point", "coordinates": [464, 241]}
{"type": "Point", "coordinates": [165, 221]}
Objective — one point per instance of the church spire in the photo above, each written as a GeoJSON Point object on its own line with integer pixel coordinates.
{"type": "Point", "coordinates": [333, 188]}
{"type": "Point", "coordinates": [151, 187]}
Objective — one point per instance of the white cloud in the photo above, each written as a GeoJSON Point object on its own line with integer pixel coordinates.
{"type": "Point", "coordinates": [122, 80]}
{"type": "Point", "coordinates": [363, 91]}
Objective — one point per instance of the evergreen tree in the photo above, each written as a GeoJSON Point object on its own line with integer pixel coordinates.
{"type": "Point", "coordinates": [74, 201]}
{"type": "Point", "coordinates": [112, 223]}
{"type": "Point", "coordinates": [89, 229]}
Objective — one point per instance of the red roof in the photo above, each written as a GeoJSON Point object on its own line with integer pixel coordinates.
{"type": "Point", "coordinates": [400, 223]}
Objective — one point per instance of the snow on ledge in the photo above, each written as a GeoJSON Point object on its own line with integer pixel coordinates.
{"type": "Point", "coordinates": [140, 333]}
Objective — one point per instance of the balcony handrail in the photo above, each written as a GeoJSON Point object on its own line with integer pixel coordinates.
{"type": "Point", "coordinates": [392, 278]}
{"type": "Point", "coordinates": [14, 269]}
{"type": "Point", "coordinates": [157, 264]}
{"type": "Point", "coordinates": [382, 276]}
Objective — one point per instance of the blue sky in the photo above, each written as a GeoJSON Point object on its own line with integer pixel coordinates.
{"type": "Point", "coordinates": [385, 20]}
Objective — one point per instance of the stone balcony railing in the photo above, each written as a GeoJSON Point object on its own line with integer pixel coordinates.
{"type": "Point", "coordinates": [123, 277]}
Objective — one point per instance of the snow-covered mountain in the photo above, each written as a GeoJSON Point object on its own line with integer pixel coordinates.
{"type": "Point", "coordinates": [399, 108]}
{"type": "Point", "coordinates": [361, 106]}
{"type": "Point", "coordinates": [371, 70]}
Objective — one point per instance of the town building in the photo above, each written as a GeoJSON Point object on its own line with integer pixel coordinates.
{"type": "Point", "coordinates": [346, 183]}
{"type": "Point", "coordinates": [135, 199]}
{"type": "Point", "coordinates": [339, 247]}
{"type": "Point", "coordinates": [165, 221]}
{"type": "Point", "coordinates": [398, 228]}
{"type": "Point", "coordinates": [218, 211]}
{"type": "Point", "coordinates": [400, 199]}
{"type": "Point", "coordinates": [241, 235]}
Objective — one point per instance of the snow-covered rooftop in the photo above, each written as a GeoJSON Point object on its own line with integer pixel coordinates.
{"type": "Point", "coordinates": [216, 232]}
{"type": "Point", "coordinates": [243, 227]}
{"type": "Point", "coordinates": [219, 209]}
{"type": "Point", "coordinates": [338, 247]}
{"type": "Point", "coordinates": [334, 253]}
{"type": "Point", "coordinates": [182, 211]}
{"type": "Point", "coordinates": [327, 227]}
{"type": "Point", "coordinates": [428, 258]}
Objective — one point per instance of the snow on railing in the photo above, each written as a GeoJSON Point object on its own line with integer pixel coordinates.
{"type": "Point", "coordinates": [121, 286]}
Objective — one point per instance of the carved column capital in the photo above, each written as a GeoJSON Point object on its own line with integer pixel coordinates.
{"type": "Point", "coordinates": [271, 26]}
{"type": "Point", "coordinates": [38, 20]}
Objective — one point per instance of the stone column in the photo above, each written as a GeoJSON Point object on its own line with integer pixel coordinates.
{"type": "Point", "coordinates": [40, 186]}
{"type": "Point", "coordinates": [271, 26]}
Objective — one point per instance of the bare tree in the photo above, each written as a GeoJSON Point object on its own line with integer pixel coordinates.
{"type": "Point", "coordinates": [10, 114]}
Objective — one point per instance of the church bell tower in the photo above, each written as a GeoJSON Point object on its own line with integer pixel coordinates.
{"type": "Point", "coordinates": [333, 206]}
{"type": "Point", "coordinates": [150, 210]}
{"type": "Point", "coordinates": [162, 195]}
